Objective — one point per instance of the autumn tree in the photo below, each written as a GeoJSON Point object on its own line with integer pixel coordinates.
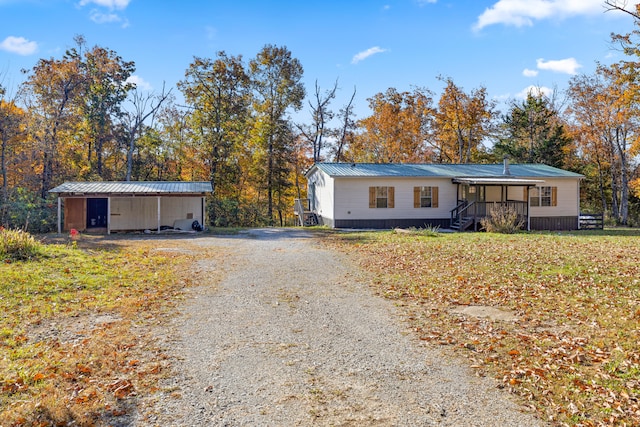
{"type": "Point", "coordinates": [533, 132]}
{"type": "Point", "coordinates": [463, 122]}
{"type": "Point", "coordinates": [398, 129]}
{"type": "Point", "coordinates": [276, 79]}
{"type": "Point", "coordinates": [104, 75]}
{"type": "Point", "coordinates": [217, 92]}
{"type": "Point", "coordinates": [51, 94]}
{"type": "Point", "coordinates": [11, 135]}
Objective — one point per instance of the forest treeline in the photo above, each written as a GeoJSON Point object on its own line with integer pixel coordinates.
{"type": "Point", "coordinates": [80, 117]}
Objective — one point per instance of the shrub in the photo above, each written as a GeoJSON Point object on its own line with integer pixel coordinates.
{"type": "Point", "coordinates": [503, 219]}
{"type": "Point", "coordinates": [26, 210]}
{"type": "Point", "coordinates": [18, 245]}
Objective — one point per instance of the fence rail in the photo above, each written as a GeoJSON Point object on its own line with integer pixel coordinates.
{"type": "Point", "coordinates": [590, 221]}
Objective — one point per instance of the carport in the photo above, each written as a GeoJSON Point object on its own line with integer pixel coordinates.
{"type": "Point", "coordinates": [103, 207]}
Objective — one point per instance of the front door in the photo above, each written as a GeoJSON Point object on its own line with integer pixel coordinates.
{"type": "Point", "coordinates": [96, 213]}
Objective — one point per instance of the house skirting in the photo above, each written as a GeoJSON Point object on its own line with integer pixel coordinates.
{"type": "Point", "coordinates": [389, 223]}
{"type": "Point", "coordinates": [563, 223]}
{"type": "Point", "coordinates": [554, 223]}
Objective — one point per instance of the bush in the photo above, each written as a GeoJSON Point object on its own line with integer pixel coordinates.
{"type": "Point", "coordinates": [503, 219]}
{"type": "Point", "coordinates": [26, 210]}
{"type": "Point", "coordinates": [18, 245]}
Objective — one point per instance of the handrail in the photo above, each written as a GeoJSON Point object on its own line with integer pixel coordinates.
{"type": "Point", "coordinates": [455, 212]}
{"type": "Point", "coordinates": [477, 210]}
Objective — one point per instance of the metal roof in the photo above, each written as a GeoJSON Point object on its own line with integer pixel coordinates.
{"type": "Point", "coordinates": [344, 170]}
{"type": "Point", "coordinates": [133, 187]}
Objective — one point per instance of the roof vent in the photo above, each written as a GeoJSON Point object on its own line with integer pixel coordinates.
{"type": "Point", "coordinates": [506, 170]}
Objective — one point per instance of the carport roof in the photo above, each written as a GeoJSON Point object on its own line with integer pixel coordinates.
{"type": "Point", "coordinates": [133, 188]}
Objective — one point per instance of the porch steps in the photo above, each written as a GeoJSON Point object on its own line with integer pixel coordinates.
{"type": "Point", "coordinates": [462, 224]}
{"type": "Point", "coordinates": [305, 216]}
{"type": "Point", "coordinates": [309, 219]}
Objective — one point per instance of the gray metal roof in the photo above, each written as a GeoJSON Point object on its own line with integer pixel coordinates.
{"type": "Point", "coordinates": [133, 187]}
{"type": "Point", "coordinates": [440, 170]}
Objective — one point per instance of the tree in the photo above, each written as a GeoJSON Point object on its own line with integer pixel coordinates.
{"type": "Point", "coordinates": [532, 132]}
{"type": "Point", "coordinates": [51, 94]}
{"type": "Point", "coordinates": [144, 106]}
{"type": "Point", "coordinates": [104, 75]}
{"type": "Point", "coordinates": [591, 114]}
{"type": "Point", "coordinates": [398, 129]}
{"type": "Point", "coordinates": [218, 95]}
{"type": "Point", "coordinates": [462, 122]}
{"type": "Point", "coordinates": [345, 134]}
{"type": "Point", "coordinates": [321, 115]}
{"type": "Point", "coordinates": [276, 78]}
{"type": "Point", "coordinates": [11, 133]}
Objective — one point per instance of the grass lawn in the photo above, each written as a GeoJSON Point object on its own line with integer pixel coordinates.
{"type": "Point", "coordinates": [573, 351]}
{"type": "Point", "coordinates": [76, 342]}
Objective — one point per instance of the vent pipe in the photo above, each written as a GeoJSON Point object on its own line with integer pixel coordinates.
{"type": "Point", "coordinates": [506, 170]}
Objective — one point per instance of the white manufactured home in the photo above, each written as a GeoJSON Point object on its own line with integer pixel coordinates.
{"type": "Point", "coordinates": [357, 195]}
{"type": "Point", "coordinates": [130, 205]}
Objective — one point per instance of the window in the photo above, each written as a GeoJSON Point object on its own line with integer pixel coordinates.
{"type": "Point", "coordinates": [381, 197]}
{"type": "Point", "coordinates": [425, 197]}
{"type": "Point", "coordinates": [543, 196]}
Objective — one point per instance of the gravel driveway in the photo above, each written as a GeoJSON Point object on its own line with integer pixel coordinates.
{"type": "Point", "coordinates": [290, 337]}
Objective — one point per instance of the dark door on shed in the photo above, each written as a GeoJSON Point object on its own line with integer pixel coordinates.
{"type": "Point", "coordinates": [96, 213]}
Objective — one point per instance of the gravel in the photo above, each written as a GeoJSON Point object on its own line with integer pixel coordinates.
{"type": "Point", "coordinates": [291, 337]}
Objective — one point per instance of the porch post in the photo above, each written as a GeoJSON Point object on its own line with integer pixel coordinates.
{"type": "Point", "coordinates": [59, 215]}
{"type": "Point", "coordinates": [158, 214]}
{"type": "Point", "coordinates": [108, 215]}
{"type": "Point", "coordinates": [528, 209]}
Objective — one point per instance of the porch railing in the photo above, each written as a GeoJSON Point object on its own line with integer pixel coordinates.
{"type": "Point", "coordinates": [473, 212]}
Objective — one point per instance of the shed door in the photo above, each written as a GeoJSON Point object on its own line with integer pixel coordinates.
{"type": "Point", "coordinates": [96, 213]}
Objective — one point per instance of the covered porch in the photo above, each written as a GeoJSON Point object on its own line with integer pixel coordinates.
{"type": "Point", "coordinates": [477, 197]}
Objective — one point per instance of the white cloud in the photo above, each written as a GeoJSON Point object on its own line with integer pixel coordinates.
{"type": "Point", "coordinates": [529, 73]}
{"type": "Point", "coordinates": [366, 53]}
{"type": "Point", "coordinates": [566, 66]}
{"type": "Point", "coordinates": [521, 13]}
{"type": "Point", "coordinates": [108, 18]}
{"type": "Point", "coordinates": [423, 2]}
{"type": "Point", "coordinates": [211, 32]}
{"type": "Point", "coordinates": [535, 90]}
{"type": "Point", "coordinates": [140, 83]}
{"type": "Point", "coordinates": [19, 45]}
{"type": "Point", "coordinates": [111, 4]}
{"type": "Point", "coordinates": [104, 18]}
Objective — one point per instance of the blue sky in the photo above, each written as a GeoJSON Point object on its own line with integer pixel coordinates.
{"type": "Point", "coordinates": [504, 45]}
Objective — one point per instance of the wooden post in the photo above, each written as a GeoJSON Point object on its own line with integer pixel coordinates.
{"type": "Point", "coordinates": [528, 209]}
{"type": "Point", "coordinates": [158, 214]}
{"type": "Point", "coordinates": [59, 215]}
{"type": "Point", "coordinates": [108, 215]}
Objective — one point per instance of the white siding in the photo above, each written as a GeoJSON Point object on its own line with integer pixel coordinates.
{"type": "Point", "coordinates": [568, 193]}
{"type": "Point", "coordinates": [140, 213]}
{"type": "Point", "coordinates": [352, 198]}
{"type": "Point", "coordinates": [324, 194]}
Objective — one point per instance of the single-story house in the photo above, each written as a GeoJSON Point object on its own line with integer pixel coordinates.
{"type": "Point", "coordinates": [357, 195]}
{"type": "Point", "coordinates": [130, 205]}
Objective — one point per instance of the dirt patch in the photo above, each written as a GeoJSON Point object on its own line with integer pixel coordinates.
{"type": "Point", "coordinates": [483, 311]}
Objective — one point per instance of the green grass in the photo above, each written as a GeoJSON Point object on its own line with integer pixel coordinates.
{"type": "Point", "coordinates": [61, 363]}
{"type": "Point", "coordinates": [573, 352]}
